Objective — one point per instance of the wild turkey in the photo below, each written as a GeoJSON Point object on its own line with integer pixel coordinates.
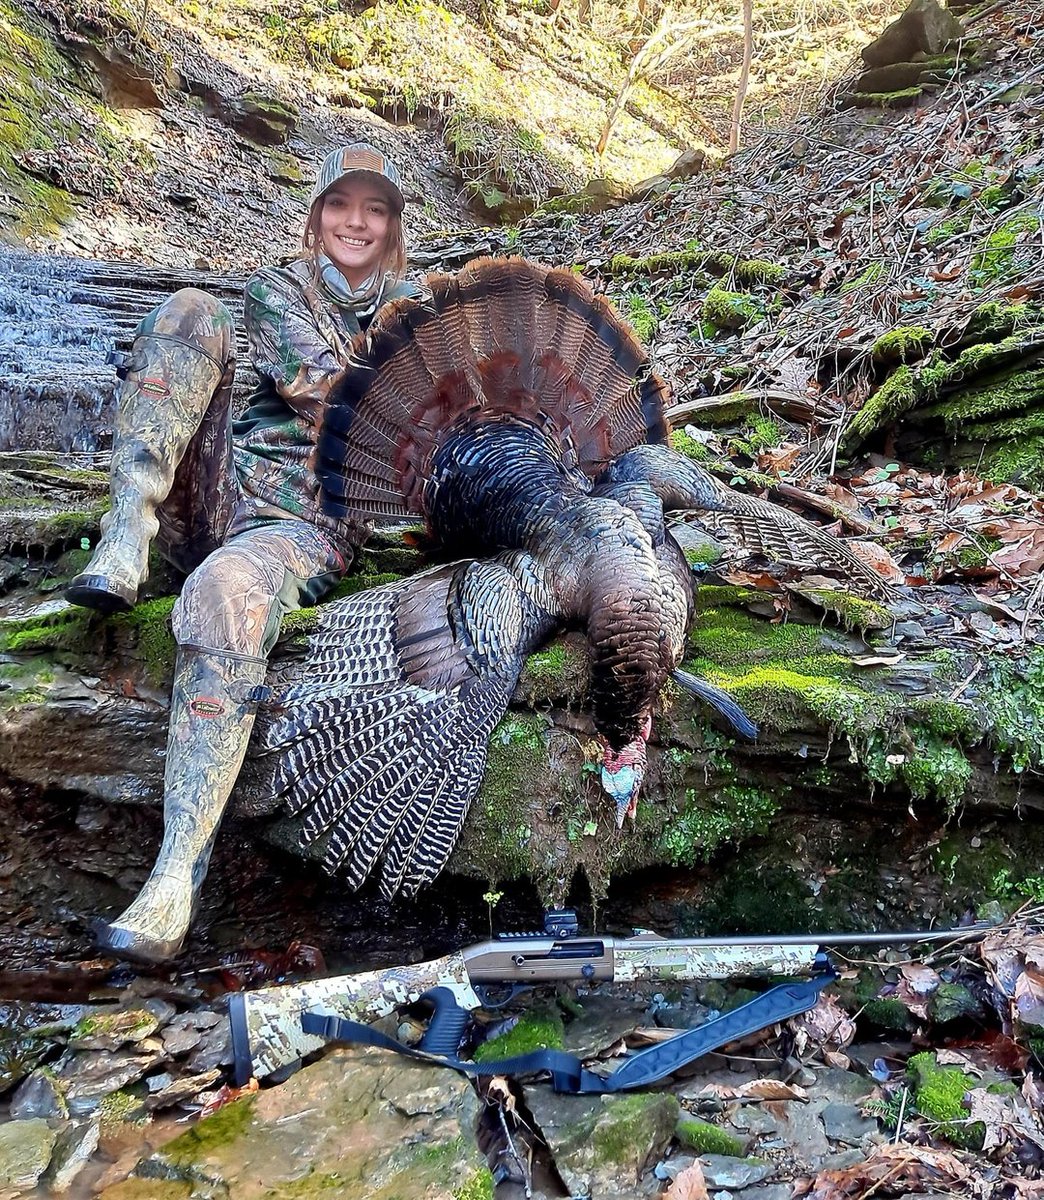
{"type": "Point", "coordinates": [519, 416]}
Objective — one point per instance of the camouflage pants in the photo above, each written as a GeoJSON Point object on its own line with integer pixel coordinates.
{"type": "Point", "coordinates": [250, 562]}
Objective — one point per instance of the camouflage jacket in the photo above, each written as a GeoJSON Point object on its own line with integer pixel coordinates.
{"type": "Point", "coordinates": [299, 339]}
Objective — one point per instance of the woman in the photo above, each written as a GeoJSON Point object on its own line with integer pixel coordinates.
{"type": "Point", "coordinates": [236, 502]}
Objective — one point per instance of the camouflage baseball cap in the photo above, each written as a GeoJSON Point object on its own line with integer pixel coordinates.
{"type": "Point", "coordinates": [359, 158]}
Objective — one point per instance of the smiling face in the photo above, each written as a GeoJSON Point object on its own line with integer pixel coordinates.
{"type": "Point", "coordinates": [354, 226]}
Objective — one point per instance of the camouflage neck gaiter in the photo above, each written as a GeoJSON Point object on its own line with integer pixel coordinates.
{"type": "Point", "coordinates": [363, 301]}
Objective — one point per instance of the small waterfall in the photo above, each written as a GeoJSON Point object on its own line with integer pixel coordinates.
{"type": "Point", "coordinates": [59, 319]}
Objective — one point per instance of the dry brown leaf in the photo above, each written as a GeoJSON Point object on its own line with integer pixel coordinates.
{"type": "Point", "coordinates": [916, 988]}
{"type": "Point", "coordinates": [226, 1094]}
{"type": "Point", "coordinates": [954, 1058]}
{"type": "Point", "coordinates": [754, 1091]}
{"type": "Point", "coordinates": [902, 1168]}
{"type": "Point", "coordinates": [826, 1027]}
{"type": "Point", "coordinates": [689, 1185]}
{"type": "Point", "coordinates": [879, 559]}
{"type": "Point", "coordinates": [878, 660]}
{"type": "Point", "coordinates": [498, 1091]}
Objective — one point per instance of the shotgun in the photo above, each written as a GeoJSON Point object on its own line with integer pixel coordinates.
{"type": "Point", "coordinates": [274, 1027]}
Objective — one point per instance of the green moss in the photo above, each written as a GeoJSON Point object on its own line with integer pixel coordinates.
{"type": "Point", "coordinates": [211, 1133]}
{"type": "Point", "coordinates": [315, 1183]}
{"type": "Point", "coordinates": [704, 555]}
{"type": "Point", "coordinates": [729, 638]}
{"type": "Point", "coordinates": [996, 259]}
{"type": "Point", "coordinates": [150, 623]}
{"type": "Point", "coordinates": [950, 227]}
{"type": "Point", "coordinates": [122, 1108]}
{"type": "Point", "coordinates": [1013, 699]}
{"type": "Point", "coordinates": [731, 310]}
{"type": "Point", "coordinates": [759, 433]}
{"type": "Point", "coordinates": [641, 317]}
{"type": "Point", "coordinates": [866, 278]}
{"type": "Point", "coordinates": [901, 344]}
{"type": "Point", "coordinates": [897, 395]}
{"type": "Point", "coordinates": [478, 1186]}
{"type": "Point", "coordinates": [701, 1137]}
{"type": "Point", "coordinates": [708, 821]}
{"type": "Point", "coordinates": [854, 612]}
{"type": "Point", "coordinates": [900, 98]}
{"type": "Point", "coordinates": [629, 1127]}
{"type": "Point", "coordinates": [751, 271]}
{"type": "Point", "coordinates": [754, 271]}
{"type": "Point", "coordinates": [352, 584]}
{"type": "Point", "coordinates": [998, 319]}
{"type": "Point", "coordinates": [534, 1031]}
{"type": "Point", "coordinates": [1020, 462]}
{"type": "Point", "coordinates": [888, 1014]}
{"type": "Point", "coordinates": [689, 446]}
{"type": "Point", "coordinates": [939, 1095]}
{"type": "Point", "coordinates": [498, 842]}
{"type": "Point", "coordinates": [725, 595]}
{"type": "Point", "coordinates": [70, 629]}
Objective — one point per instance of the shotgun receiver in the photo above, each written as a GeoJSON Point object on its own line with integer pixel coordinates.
{"type": "Point", "coordinates": [273, 1027]}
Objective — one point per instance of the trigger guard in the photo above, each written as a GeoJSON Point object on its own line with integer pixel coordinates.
{"type": "Point", "coordinates": [494, 996]}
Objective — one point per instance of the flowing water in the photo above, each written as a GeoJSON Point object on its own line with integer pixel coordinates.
{"type": "Point", "coordinates": [59, 320]}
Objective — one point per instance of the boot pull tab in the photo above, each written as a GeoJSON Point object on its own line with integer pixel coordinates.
{"type": "Point", "coordinates": [258, 696]}
{"type": "Point", "coordinates": [121, 360]}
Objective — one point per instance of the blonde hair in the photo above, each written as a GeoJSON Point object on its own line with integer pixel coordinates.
{"type": "Point", "coordinates": [392, 262]}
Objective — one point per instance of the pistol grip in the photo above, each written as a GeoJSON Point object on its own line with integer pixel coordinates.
{"type": "Point", "coordinates": [447, 1024]}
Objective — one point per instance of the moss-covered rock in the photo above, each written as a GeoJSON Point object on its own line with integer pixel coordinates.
{"type": "Point", "coordinates": [701, 1137]}
{"type": "Point", "coordinates": [939, 1094]}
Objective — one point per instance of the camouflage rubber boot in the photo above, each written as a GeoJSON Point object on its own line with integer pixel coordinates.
{"type": "Point", "coordinates": [213, 704]}
{"type": "Point", "coordinates": [162, 399]}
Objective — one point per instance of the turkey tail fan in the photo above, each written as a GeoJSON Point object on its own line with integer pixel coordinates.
{"type": "Point", "coordinates": [720, 701]}
{"type": "Point", "coordinates": [382, 747]}
{"type": "Point", "coordinates": [502, 337]}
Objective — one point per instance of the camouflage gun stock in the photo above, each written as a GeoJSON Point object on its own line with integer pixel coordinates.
{"type": "Point", "coordinates": [272, 1028]}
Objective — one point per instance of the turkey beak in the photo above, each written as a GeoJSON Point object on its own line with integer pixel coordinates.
{"type": "Point", "coordinates": [622, 785]}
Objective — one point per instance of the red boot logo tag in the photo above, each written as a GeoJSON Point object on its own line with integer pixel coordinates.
{"type": "Point", "coordinates": [154, 388]}
{"type": "Point", "coordinates": [206, 706]}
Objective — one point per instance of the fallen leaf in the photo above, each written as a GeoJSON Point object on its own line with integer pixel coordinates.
{"type": "Point", "coordinates": [878, 557]}
{"type": "Point", "coordinates": [916, 988]}
{"type": "Point", "coordinates": [226, 1094]}
{"type": "Point", "coordinates": [689, 1185]}
{"type": "Point", "coordinates": [826, 1027]}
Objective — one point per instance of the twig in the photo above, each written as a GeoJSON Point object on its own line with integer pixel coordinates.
{"type": "Point", "coordinates": [959, 690]}
{"type": "Point", "coordinates": [902, 1113]}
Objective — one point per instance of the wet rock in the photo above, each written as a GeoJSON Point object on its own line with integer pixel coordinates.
{"type": "Point", "coordinates": [597, 1141]}
{"type": "Point", "coordinates": [845, 1123]}
{"type": "Point", "coordinates": [214, 1049]}
{"type": "Point", "coordinates": [89, 1076]}
{"type": "Point", "coordinates": [189, 1030]}
{"type": "Point", "coordinates": [110, 1031]}
{"type": "Point", "coordinates": [25, 1151]}
{"type": "Point", "coordinates": [339, 1127]}
{"type": "Point", "coordinates": [165, 1091]}
{"type": "Point", "coordinates": [604, 1019]}
{"type": "Point", "coordinates": [39, 1096]}
{"type": "Point", "coordinates": [952, 1001]}
{"type": "Point", "coordinates": [72, 1151]}
{"type": "Point", "coordinates": [720, 1171]}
